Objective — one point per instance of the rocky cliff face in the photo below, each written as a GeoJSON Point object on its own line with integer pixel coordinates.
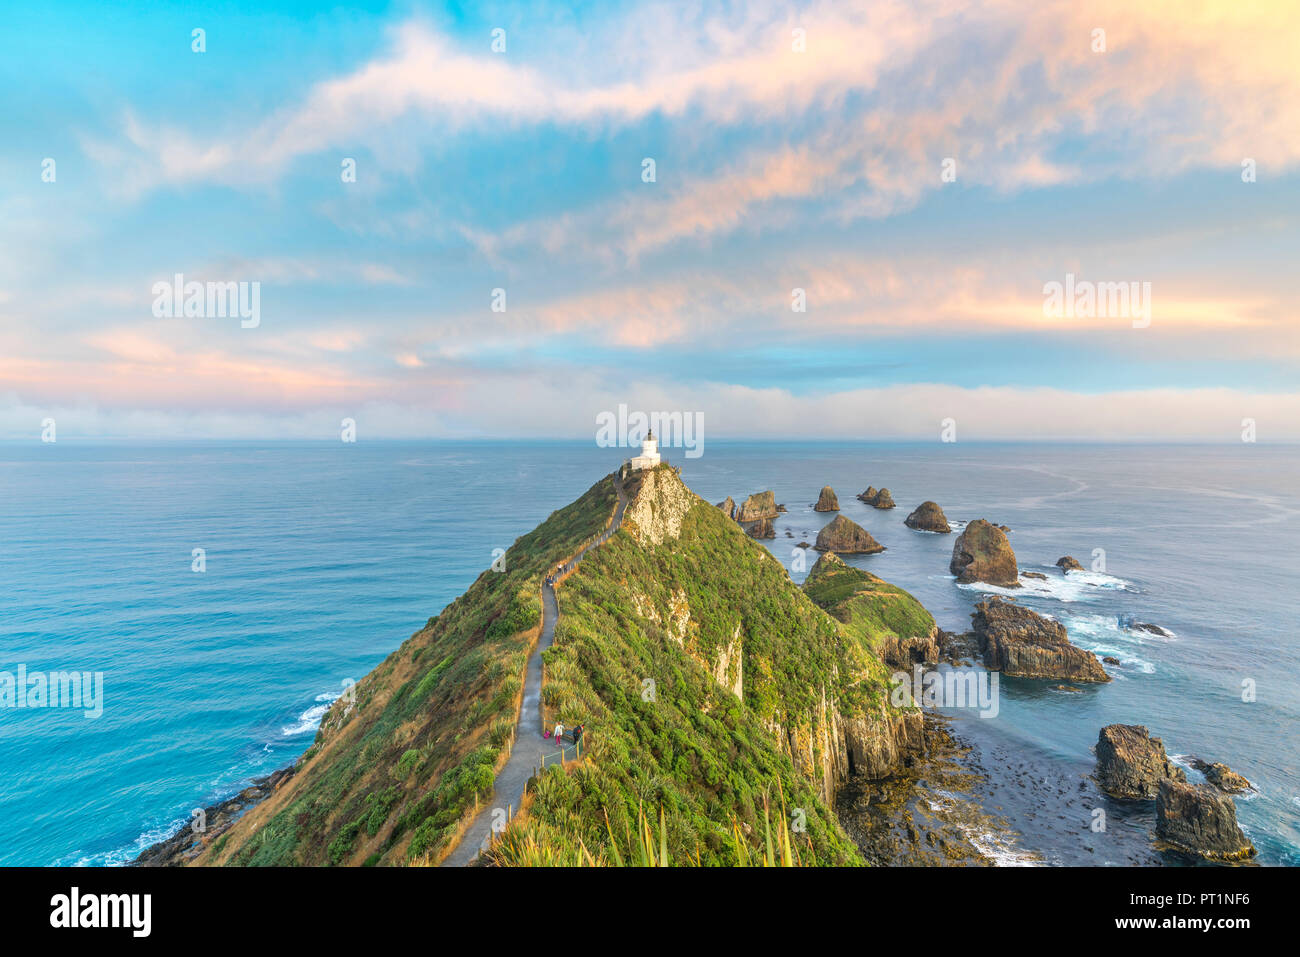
{"type": "Point", "coordinates": [761, 529]}
{"type": "Point", "coordinates": [1198, 819]}
{"type": "Point", "coordinates": [829, 747]}
{"type": "Point", "coordinates": [1131, 764]}
{"type": "Point", "coordinates": [827, 502]}
{"type": "Point", "coordinates": [1024, 644]}
{"type": "Point", "coordinates": [655, 515]}
{"type": "Point", "coordinates": [983, 554]}
{"type": "Point", "coordinates": [928, 517]}
{"type": "Point", "coordinates": [757, 506]}
{"type": "Point", "coordinates": [847, 537]}
{"type": "Point", "coordinates": [728, 507]}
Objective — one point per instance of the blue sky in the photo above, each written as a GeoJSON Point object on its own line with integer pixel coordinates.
{"type": "Point", "coordinates": [776, 168]}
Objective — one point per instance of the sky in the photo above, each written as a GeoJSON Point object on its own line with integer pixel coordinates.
{"type": "Point", "coordinates": [915, 174]}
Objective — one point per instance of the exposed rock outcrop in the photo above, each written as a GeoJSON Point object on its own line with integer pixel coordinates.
{"type": "Point", "coordinates": [659, 507]}
{"type": "Point", "coordinates": [983, 554]}
{"type": "Point", "coordinates": [869, 495]}
{"type": "Point", "coordinates": [847, 537]}
{"type": "Point", "coordinates": [1197, 818]}
{"type": "Point", "coordinates": [1222, 776]}
{"type": "Point", "coordinates": [761, 529]}
{"type": "Point", "coordinates": [1068, 564]}
{"type": "Point", "coordinates": [827, 502]}
{"type": "Point", "coordinates": [1024, 644]}
{"type": "Point", "coordinates": [1131, 764]}
{"type": "Point", "coordinates": [728, 507]}
{"type": "Point", "coordinates": [928, 517]}
{"type": "Point", "coordinates": [757, 506]}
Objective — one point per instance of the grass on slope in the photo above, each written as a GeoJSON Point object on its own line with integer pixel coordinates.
{"type": "Point", "coordinates": [389, 780]}
{"type": "Point", "coordinates": [709, 760]}
{"type": "Point", "coordinates": [868, 607]}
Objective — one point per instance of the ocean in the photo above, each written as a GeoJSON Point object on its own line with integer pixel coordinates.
{"type": "Point", "coordinates": [321, 558]}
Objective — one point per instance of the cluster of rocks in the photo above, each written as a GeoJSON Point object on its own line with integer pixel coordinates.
{"type": "Point", "coordinates": [1024, 644]}
{"type": "Point", "coordinates": [189, 842]}
{"type": "Point", "coordinates": [846, 537]}
{"type": "Point", "coordinates": [877, 498]}
{"type": "Point", "coordinates": [1195, 818]}
{"type": "Point", "coordinates": [755, 514]}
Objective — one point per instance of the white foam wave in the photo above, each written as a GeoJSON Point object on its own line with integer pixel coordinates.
{"type": "Point", "coordinates": [1105, 637]}
{"type": "Point", "coordinates": [310, 719]}
{"type": "Point", "coordinates": [1075, 587]}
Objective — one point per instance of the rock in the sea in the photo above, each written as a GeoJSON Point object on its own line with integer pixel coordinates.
{"type": "Point", "coordinates": [869, 495]}
{"type": "Point", "coordinates": [827, 502]}
{"type": "Point", "coordinates": [1110, 660]}
{"type": "Point", "coordinates": [983, 554]}
{"type": "Point", "coordinates": [728, 507]}
{"type": "Point", "coordinates": [847, 537]}
{"type": "Point", "coordinates": [883, 499]}
{"type": "Point", "coordinates": [1131, 764]}
{"type": "Point", "coordinates": [1222, 776]}
{"type": "Point", "coordinates": [1024, 644]}
{"type": "Point", "coordinates": [804, 545]}
{"type": "Point", "coordinates": [1197, 818]}
{"type": "Point", "coordinates": [1067, 564]}
{"type": "Point", "coordinates": [761, 529]}
{"type": "Point", "coordinates": [1025, 574]}
{"type": "Point", "coordinates": [928, 517]}
{"type": "Point", "coordinates": [757, 506]}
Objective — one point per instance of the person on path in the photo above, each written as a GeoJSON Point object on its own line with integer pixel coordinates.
{"type": "Point", "coordinates": [559, 733]}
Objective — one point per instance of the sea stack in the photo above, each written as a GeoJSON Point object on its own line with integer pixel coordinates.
{"type": "Point", "coordinates": [1198, 819]}
{"type": "Point", "coordinates": [983, 554]}
{"type": "Point", "coordinates": [928, 517]}
{"type": "Point", "coordinates": [757, 506]}
{"type": "Point", "coordinates": [761, 529]}
{"type": "Point", "coordinates": [1068, 564]}
{"type": "Point", "coordinates": [846, 537]}
{"type": "Point", "coordinates": [883, 499]}
{"type": "Point", "coordinates": [728, 507]}
{"type": "Point", "coordinates": [827, 502]}
{"type": "Point", "coordinates": [1131, 764]}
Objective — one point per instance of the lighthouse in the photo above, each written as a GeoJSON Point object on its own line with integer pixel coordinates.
{"type": "Point", "coordinates": [649, 456]}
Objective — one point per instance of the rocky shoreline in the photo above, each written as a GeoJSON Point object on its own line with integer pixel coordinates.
{"type": "Point", "coordinates": [926, 814]}
{"type": "Point", "coordinates": [190, 841]}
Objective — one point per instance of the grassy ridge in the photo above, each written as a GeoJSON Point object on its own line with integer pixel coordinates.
{"type": "Point", "coordinates": [868, 607]}
{"type": "Point", "coordinates": [389, 779]}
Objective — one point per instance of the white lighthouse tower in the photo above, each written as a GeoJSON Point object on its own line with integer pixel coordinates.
{"type": "Point", "coordinates": [649, 456]}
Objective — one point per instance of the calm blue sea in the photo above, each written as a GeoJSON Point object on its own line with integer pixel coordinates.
{"type": "Point", "coordinates": [322, 558]}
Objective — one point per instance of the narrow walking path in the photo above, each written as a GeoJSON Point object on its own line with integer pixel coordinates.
{"type": "Point", "coordinates": [526, 755]}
